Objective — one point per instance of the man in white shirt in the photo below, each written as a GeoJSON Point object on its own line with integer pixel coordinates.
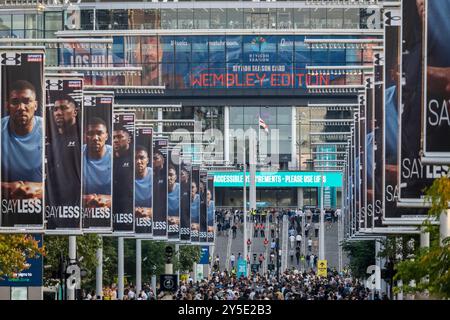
{"type": "Point", "coordinates": [292, 240]}
{"type": "Point", "coordinates": [309, 244]}
{"type": "Point", "coordinates": [232, 260]}
{"type": "Point", "coordinates": [298, 238]}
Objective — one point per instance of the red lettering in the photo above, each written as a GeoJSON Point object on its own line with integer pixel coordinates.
{"type": "Point", "coordinates": [324, 80]}
{"type": "Point", "coordinates": [230, 80]}
{"type": "Point", "coordinates": [218, 79]}
{"type": "Point", "coordinates": [300, 79]}
{"type": "Point", "coordinates": [249, 80]}
{"type": "Point", "coordinates": [205, 79]}
{"type": "Point", "coordinates": [285, 80]}
{"type": "Point", "coordinates": [261, 78]}
{"type": "Point", "coordinates": [195, 81]}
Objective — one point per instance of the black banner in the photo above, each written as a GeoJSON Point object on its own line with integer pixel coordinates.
{"type": "Point", "coordinates": [173, 195]}
{"type": "Point", "coordinates": [437, 89]}
{"type": "Point", "coordinates": [369, 153]}
{"type": "Point", "coordinates": [211, 208]}
{"type": "Point", "coordinates": [143, 182]}
{"type": "Point", "coordinates": [185, 201]}
{"type": "Point", "coordinates": [22, 138]}
{"type": "Point", "coordinates": [203, 207]}
{"type": "Point", "coordinates": [123, 173]}
{"type": "Point", "coordinates": [357, 173]}
{"type": "Point", "coordinates": [414, 175]}
{"type": "Point", "coordinates": [160, 148]}
{"type": "Point", "coordinates": [378, 171]}
{"type": "Point", "coordinates": [362, 159]}
{"type": "Point", "coordinates": [64, 97]}
{"type": "Point", "coordinates": [97, 162]}
{"type": "Point", "coordinates": [195, 204]}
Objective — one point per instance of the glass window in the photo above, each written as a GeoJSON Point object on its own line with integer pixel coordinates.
{"type": "Point", "coordinates": [285, 49]}
{"type": "Point", "coordinates": [119, 19]}
{"type": "Point", "coordinates": [218, 19]}
{"type": "Point", "coordinates": [236, 115]}
{"type": "Point", "coordinates": [248, 18]}
{"type": "Point", "coordinates": [182, 49]}
{"type": "Point", "coordinates": [199, 48]}
{"type": "Point", "coordinates": [272, 18]}
{"type": "Point", "coordinates": [284, 115]}
{"type": "Point", "coordinates": [18, 22]}
{"type": "Point", "coordinates": [351, 18]}
{"type": "Point", "coordinates": [53, 21]}
{"type": "Point", "coordinates": [319, 18]}
{"type": "Point", "coordinates": [168, 52]}
{"type": "Point", "coordinates": [102, 19]}
{"type": "Point", "coordinates": [284, 18]}
{"type": "Point", "coordinates": [269, 114]}
{"type": "Point", "coordinates": [235, 18]}
{"type": "Point", "coordinates": [87, 19]}
{"type": "Point", "coordinates": [30, 21]}
{"type": "Point", "coordinates": [302, 52]}
{"type": "Point", "coordinates": [168, 19]}
{"type": "Point", "coordinates": [251, 115]}
{"type": "Point", "coordinates": [335, 18]}
{"type": "Point", "coordinates": [234, 48]}
{"type": "Point", "coordinates": [132, 49]}
{"type": "Point", "coordinates": [151, 49]}
{"type": "Point", "coordinates": [151, 74]}
{"type": "Point", "coordinates": [201, 18]}
{"type": "Point", "coordinates": [118, 51]}
{"type": "Point", "coordinates": [185, 19]}
{"type": "Point", "coordinates": [216, 49]}
{"type": "Point", "coordinates": [302, 18]}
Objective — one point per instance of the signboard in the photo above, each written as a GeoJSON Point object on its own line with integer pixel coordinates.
{"type": "Point", "coordinates": [168, 282]}
{"type": "Point", "coordinates": [123, 173]}
{"type": "Point", "coordinates": [199, 271]}
{"type": "Point", "coordinates": [143, 181]}
{"type": "Point", "coordinates": [322, 268]}
{"type": "Point", "coordinates": [241, 268]}
{"type": "Point", "coordinates": [436, 106]}
{"type": "Point", "coordinates": [160, 167]}
{"type": "Point", "coordinates": [185, 201]}
{"type": "Point", "coordinates": [278, 179]}
{"type": "Point", "coordinates": [31, 277]}
{"type": "Point", "coordinates": [97, 160]}
{"type": "Point", "coordinates": [204, 258]}
{"type": "Point", "coordinates": [22, 138]}
{"type": "Point", "coordinates": [64, 99]}
{"type": "Point", "coordinates": [173, 195]}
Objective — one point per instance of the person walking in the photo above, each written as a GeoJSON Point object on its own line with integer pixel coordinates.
{"type": "Point", "coordinates": [297, 255]}
{"type": "Point", "coordinates": [298, 238]}
{"type": "Point", "coordinates": [261, 230]}
{"type": "Point", "coordinates": [234, 229]}
{"type": "Point", "coordinates": [309, 244]}
{"type": "Point", "coordinates": [232, 260]}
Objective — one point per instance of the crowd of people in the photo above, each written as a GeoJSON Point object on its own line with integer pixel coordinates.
{"type": "Point", "coordinates": [291, 285]}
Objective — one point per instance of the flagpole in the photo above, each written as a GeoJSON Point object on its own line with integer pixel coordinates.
{"type": "Point", "coordinates": [259, 138]}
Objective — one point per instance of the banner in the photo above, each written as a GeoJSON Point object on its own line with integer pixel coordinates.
{"type": "Point", "coordinates": [378, 170]}
{"type": "Point", "coordinates": [414, 176]}
{"type": "Point", "coordinates": [437, 82]}
{"type": "Point", "coordinates": [211, 209]}
{"type": "Point", "coordinates": [357, 172]}
{"type": "Point", "coordinates": [203, 207]}
{"type": "Point", "coordinates": [64, 107]}
{"type": "Point", "coordinates": [143, 182]}
{"type": "Point", "coordinates": [185, 201]}
{"type": "Point", "coordinates": [123, 173]}
{"type": "Point", "coordinates": [369, 153]}
{"type": "Point", "coordinates": [195, 204]}
{"type": "Point", "coordinates": [97, 162]}
{"type": "Point", "coordinates": [160, 146]}
{"type": "Point", "coordinates": [22, 138]}
{"type": "Point", "coordinates": [362, 160]}
{"type": "Point", "coordinates": [173, 195]}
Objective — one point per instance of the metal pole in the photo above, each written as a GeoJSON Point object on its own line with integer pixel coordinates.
{"type": "Point", "coordinates": [120, 278]}
{"type": "Point", "coordinates": [154, 286]}
{"type": "Point", "coordinates": [424, 239]}
{"type": "Point", "coordinates": [444, 228]}
{"type": "Point", "coordinates": [245, 208]}
{"type": "Point", "coordinates": [72, 260]}
{"type": "Point", "coordinates": [138, 266]}
{"type": "Point", "coordinates": [322, 231]}
{"type": "Point", "coordinates": [177, 252]}
{"type": "Point", "coordinates": [99, 271]}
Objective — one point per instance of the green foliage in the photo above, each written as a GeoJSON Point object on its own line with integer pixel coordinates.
{"type": "Point", "coordinates": [59, 245]}
{"type": "Point", "coordinates": [431, 263]}
{"type": "Point", "coordinates": [188, 255]}
{"type": "Point", "coordinates": [14, 250]}
{"type": "Point", "coordinates": [361, 254]}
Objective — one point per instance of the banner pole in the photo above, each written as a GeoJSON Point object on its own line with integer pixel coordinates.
{"type": "Point", "coordinates": [120, 278]}
{"type": "Point", "coordinates": [72, 260]}
{"type": "Point", "coordinates": [138, 266]}
{"type": "Point", "coordinates": [99, 271]}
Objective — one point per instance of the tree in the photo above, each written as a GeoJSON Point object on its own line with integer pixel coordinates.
{"type": "Point", "coordinates": [188, 255]}
{"type": "Point", "coordinates": [15, 249]}
{"type": "Point", "coordinates": [56, 246]}
{"type": "Point", "coordinates": [361, 254]}
{"type": "Point", "coordinates": [431, 263]}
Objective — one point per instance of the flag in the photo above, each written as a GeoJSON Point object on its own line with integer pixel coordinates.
{"type": "Point", "coordinates": [263, 125]}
